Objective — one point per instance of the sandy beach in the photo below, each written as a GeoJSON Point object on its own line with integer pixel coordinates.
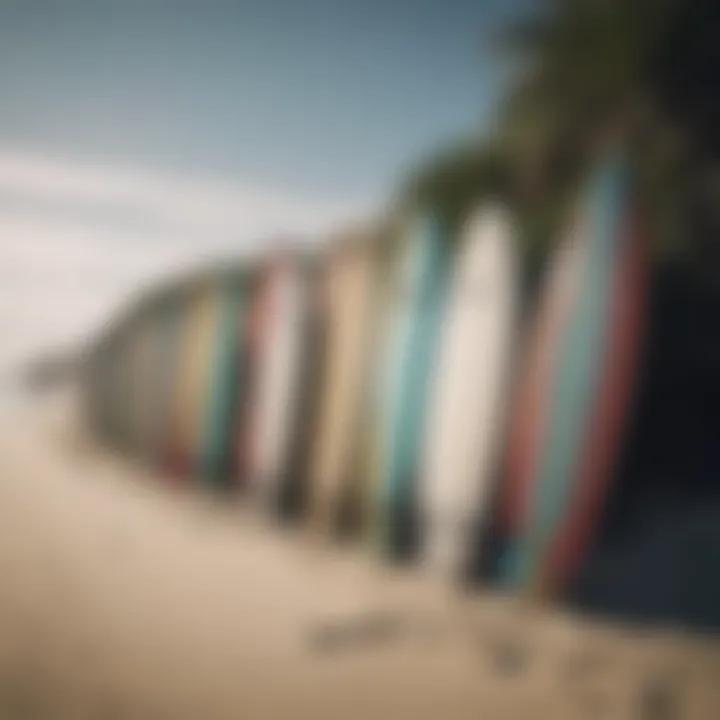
{"type": "Point", "coordinates": [122, 598]}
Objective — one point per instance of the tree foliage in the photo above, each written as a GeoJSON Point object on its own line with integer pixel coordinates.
{"type": "Point", "coordinates": [594, 74]}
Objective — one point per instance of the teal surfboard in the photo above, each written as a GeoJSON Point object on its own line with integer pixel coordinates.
{"type": "Point", "coordinates": [572, 382]}
{"type": "Point", "coordinates": [416, 302]}
{"type": "Point", "coordinates": [221, 400]}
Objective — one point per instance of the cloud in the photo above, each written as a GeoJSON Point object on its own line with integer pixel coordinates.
{"type": "Point", "coordinates": [68, 258]}
{"type": "Point", "coordinates": [188, 205]}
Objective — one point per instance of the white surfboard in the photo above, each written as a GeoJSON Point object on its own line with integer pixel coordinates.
{"type": "Point", "coordinates": [278, 388]}
{"type": "Point", "coordinates": [470, 394]}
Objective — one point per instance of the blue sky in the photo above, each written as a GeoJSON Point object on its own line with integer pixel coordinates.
{"type": "Point", "coordinates": [315, 96]}
{"type": "Point", "coordinates": [136, 137]}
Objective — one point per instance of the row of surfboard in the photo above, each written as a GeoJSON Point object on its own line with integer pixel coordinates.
{"type": "Point", "coordinates": [397, 390]}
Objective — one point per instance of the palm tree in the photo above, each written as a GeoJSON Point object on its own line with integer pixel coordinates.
{"type": "Point", "coordinates": [600, 68]}
{"type": "Point", "coordinates": [591, 72]}
{"type": "Point", "coordinates": [456, 176]}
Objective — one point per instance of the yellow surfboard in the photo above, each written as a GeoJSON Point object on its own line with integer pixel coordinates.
{"type": "Point", "coordinates": [347, 284]}
{"type": "Point", "coordinates": [195, 353]}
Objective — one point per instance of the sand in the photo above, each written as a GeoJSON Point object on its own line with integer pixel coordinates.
{"type": "Point", "coordinates": [121, 597]}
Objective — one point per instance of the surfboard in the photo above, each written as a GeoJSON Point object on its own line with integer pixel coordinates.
{"type": "Point", "coordinates": [151, 368]}
{"type": "Point", "coordinates": [279, 375]}
{"type": "Point", "coordinates": [362, 517]}
{"type": "Point", "coordinates": [123, 390]}
{"type": "Point", "coordinates": [416, 294]}
{"type": "Point", "coordinates": [114, 380]}
{"type": "Point", "coordinates": [168, 329]}
{"type": "Point", "coordinates": [373, 428]}
{"type": "Point", "coordinates": [569, 395]}
{"type": "Point", "coordinates": [467, 407]}
{"type": "Point", "coordinates": [172, 456]}
{"type": "Point", "coordinates": [249, 370]}
{"type": "Point", "coordinates": [611, 404]}
{"type": "Point", "coordinates": [221, 402]}
{"type": "Point", "coordinates": [539, 353]}
{"type": "Point", "coordinates": [147, 349]}
{"type": "Point", "coordinates": [99, 397]}
{"type": "Point", "coordinates": [135, 400]}
{"type": "Point", "coordinates": [191, 381]}
{"type": "Point", "coordinates": [294, 486]}
{"type": "Point", "coordinates": [347, 287]}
